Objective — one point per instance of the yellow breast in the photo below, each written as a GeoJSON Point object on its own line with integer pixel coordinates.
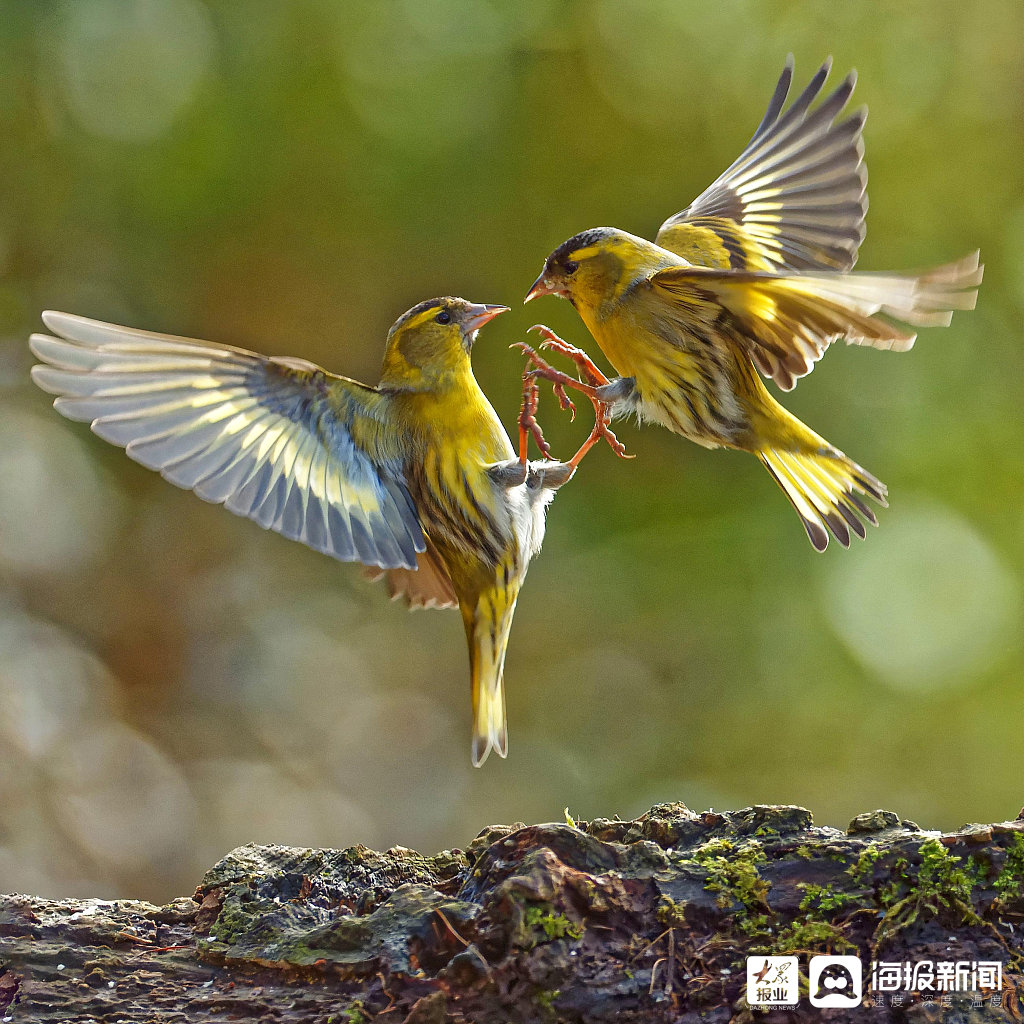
{"type": "Point", "coordinates": [685, 376]}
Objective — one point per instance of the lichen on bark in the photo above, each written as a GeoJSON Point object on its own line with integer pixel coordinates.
{"type": "Point", "coordinates": [647, 920]}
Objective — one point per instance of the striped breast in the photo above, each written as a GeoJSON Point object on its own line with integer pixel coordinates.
{"type": "Point", "coordinates": [474, 522]}
{"type": "Point", "coordinates": [685, 371]}
{"type": "Point", "coordinates": [461, 508]}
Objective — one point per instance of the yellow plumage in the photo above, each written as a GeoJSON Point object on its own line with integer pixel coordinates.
{"type": "Point", "coordinates": [415, 478]}
{"type": "Point", "coordinates": [754, 276]}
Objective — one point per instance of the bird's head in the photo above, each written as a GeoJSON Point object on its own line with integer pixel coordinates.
{"type": "Point", "coordinates": [432, 340]}
{"type": "Point", "coordinates": [593, 267]}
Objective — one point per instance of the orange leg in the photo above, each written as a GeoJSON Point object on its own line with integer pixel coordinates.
{"type": "Point", "coordinates": [591, 373]}
{"type": "Point", "coordinates": [539, 368]}
{"type": "Point", "coordinates": [528, 425]}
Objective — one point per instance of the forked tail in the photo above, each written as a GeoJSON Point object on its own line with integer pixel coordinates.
{"type": "Point", "coordinates": [488, 638]}
{"type": "Point", "coordinates": [824, 486]}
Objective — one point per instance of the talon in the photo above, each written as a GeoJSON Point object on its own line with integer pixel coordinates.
{"type": "Point", "coordinates": [528, 350]}
{"type": "Point", "coordinates": [616, 445]}
{"type": "Point", "coordinates": [528, 425]}
{"type": "Point", "coordinates": [540, 440]}
{"type": "Point", "coordinates": [587, 366]}
{"type": "Point", "coordinates": [537, 369]}
{"type": "Point", "coordinates": [564, 400]}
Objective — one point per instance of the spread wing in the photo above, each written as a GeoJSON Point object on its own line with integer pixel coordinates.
{"type": "Point", "coordinates": [281, 441]}
{"type": "Point", "coordinates": [795, 198]}
{"type": "Point", "coordinates": [787, 321]}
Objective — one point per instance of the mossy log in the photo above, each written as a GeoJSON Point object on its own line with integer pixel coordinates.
{"type": "Point", "coordinates": [648, 920]}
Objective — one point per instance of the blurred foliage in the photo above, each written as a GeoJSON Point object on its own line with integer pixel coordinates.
{"type": "Point", "coordinates": [291, 177]}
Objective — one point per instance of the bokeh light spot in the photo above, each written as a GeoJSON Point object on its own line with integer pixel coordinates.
{"type": "Point", "coordinates": [50, 688]}
{"type": "Point", "coordinates": [927, 604]}
{"type": "Point", "coordinates": [55, 509]}
{"type": "Point", "coordinates": [122, 798]}
{"type": "Point", "coordinates": [131, 66]}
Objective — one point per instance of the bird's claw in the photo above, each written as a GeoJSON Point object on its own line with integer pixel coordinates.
{"type": "Point", "coordinates": [538, 368]}
{"type": "Point", "coordinates": [601, 430]}
{"type": "Point", "coordinates": [614, 443]}
{"type": "Point", "coordinates": [588, 368]}
{"type": "Point", "coordinates": [565, 401]}
{"type": "Point", "coordinates": [528, 425]}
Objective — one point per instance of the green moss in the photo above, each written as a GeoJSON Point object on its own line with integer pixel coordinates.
{"type": "Point", "coordinates": [546, 999]}
{"type": "Point", "coordinates": [1010, 879]}
{"type": "Point", "coordinates": [824, 899]}
{"type": "Point", "coordinates": [554, 926]}
{"type": "Point", "coordinates": [829, 900]}
{"type": "Point", "coordinates": [809, 936]}
{"type": "Point", "coordinates": [732, 872]}
{"type": "Point", "coordinates": [862, 871]}
{"type": "Point", "coordinates": [354, 1014]}
{"type": "Point", "coordinates": [941, 886]}
{"type": "Point", "coordinates": [670, 913]}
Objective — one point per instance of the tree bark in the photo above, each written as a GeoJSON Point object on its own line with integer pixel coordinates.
{"type": "Point", "coordinates": [648, 920]}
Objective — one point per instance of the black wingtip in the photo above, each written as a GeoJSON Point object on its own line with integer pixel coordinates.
{"type": "Point", "coordinates": [778, 100]}
{"type": "Point", "coordinates": [816, 533]}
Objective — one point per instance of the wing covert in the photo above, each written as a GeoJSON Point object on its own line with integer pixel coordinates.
{"type": "Point", "coordinates": [296, 449]}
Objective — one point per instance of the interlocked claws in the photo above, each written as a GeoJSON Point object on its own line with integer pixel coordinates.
{"type": "Point", "coordinates": [588, 383]}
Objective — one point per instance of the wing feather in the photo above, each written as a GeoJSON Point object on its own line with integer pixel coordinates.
{"type": "Point", "coordinates": [788, 321]}
{"type": "Point", "coordinates": [796, 162]}
{"type": "Point", "coordinates": [275, 440]}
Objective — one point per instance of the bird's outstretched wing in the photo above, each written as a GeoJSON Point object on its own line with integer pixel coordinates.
{"type": "Point", "coordinates": [281, 441]}
{"type": "Point", "coordinates": [795, 199]}
{"type": "Point", "coordinates": [787, 321]}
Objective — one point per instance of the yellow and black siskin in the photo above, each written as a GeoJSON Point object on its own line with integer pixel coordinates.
{"type": "Point", "coordinates": [415, 477]}
{"type": "Point", "coordinates": [754, 277]}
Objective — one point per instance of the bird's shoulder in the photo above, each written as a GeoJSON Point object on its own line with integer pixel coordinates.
{"type": "Point", "coordinates": [715, 243]}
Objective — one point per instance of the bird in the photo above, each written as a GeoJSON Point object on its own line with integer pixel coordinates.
{"type": "Point", "coordinates": [753, 279]}
{"type": "Point", "coordinates": [416, 477]}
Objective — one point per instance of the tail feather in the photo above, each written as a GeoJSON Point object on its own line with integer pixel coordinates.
{"type": "Point", "coordinates": [823, 486]}
{"type": "Point", "coordinates": [488, 638]}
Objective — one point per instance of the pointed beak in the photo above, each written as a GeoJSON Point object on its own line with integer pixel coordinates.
{"type": "Point", "coordinates": [542, 286]}
{"type": "Point", "coordinates": [480, 314]}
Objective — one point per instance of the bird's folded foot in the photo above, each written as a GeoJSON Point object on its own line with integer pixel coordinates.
{"type": "Point", "coordinates": [515, 473]}
{"type": "Point", "coordinates": [549, 476]}
{"type": "Point", "coordinates": [528, 425]}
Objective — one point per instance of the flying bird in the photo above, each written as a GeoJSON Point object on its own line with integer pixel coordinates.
{"type": "Point", "coordinates": [753, 279]}
{"type": "Point", "coordinates": [415, 478]}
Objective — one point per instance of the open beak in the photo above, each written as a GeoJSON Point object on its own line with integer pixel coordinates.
{"type": "Point", "coordinates": [542, 286]}
{"type": "Point", "coordinates": [480, 314]}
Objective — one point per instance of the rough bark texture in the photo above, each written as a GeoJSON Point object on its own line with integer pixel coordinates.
{"type": "Point", "coordinates": [648, 920]}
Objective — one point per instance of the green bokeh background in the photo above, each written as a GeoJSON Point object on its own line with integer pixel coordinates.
{"type": "Point", "coordinates": [292, 176]}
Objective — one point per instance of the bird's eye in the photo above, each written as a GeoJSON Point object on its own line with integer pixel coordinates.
{"type": "Point", "coordinates": [444, 317]}
{"type": "Point", "coordinates": [571, 267]}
